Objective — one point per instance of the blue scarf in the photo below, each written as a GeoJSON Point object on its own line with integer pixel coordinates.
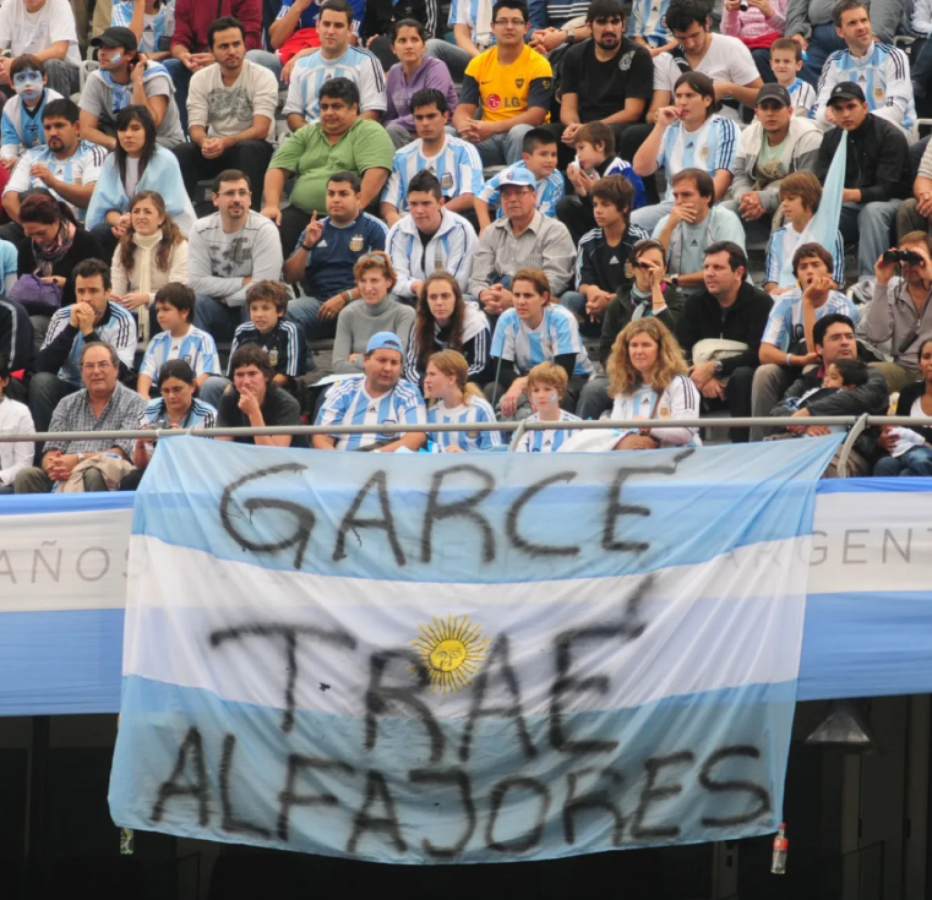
{"type": "Point", "coordinates": [123, 93]}
{"type": "Point", "coordinates": [162, 174]}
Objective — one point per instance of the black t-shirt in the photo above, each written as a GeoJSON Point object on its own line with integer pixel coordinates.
{"type": "Point", "coordinates": [278, 408]}
{"type": "Point", "coordinates": [602, 87]}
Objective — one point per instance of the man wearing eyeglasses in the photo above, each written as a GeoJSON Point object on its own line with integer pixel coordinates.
{"type": "Point", "coordinates": [102, 405]}
{"type": "Point", "coordinates": [512, 83]}
{"type": "Point", "coordinates": [227, 252]}
{"type": "Point", "coordinates": [92, 318]}
{"type": "Point", "coordinates": [606, 79]}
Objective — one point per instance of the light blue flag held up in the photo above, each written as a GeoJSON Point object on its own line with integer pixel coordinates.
{"type": "Point", "coordinates": [414, 659]}
{"type": "Point", "coordinates": [823, 226]}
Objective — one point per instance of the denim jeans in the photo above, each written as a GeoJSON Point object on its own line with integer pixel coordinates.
{"type": "Point", "coordinates": [915, 462]}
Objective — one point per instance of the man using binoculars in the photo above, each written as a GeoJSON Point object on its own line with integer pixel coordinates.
{"type": "Point", "coordinates": [898, 318]}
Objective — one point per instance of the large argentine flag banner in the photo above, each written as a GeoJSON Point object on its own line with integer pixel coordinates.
{"type": "Point", "coordinates": [463, 659]}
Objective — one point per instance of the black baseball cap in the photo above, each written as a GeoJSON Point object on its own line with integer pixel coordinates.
{"type": "Point", "coordinates": [846, 90]}
{"type": "Point", "coordinates": [116, 36]}
{"type": "Point", "coordinates": [774, 92]}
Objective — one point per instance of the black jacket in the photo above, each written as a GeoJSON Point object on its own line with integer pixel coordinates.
{"type": "Point", "coordinates": [702, 317]}
{"type": "Point", "coordinates": [871, 398]}
{"type": "Point", "coordinates": [84, 246]}
{"type": "Point", "coordinates": [619, 312]}
{"type": "Point", "coordinates": [878, 161]}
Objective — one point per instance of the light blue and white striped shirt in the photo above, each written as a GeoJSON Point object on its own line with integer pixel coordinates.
{"type": "Point", "coordinates": [546, 441]}
{"type": "Point", "coordinates": [450, 249]}
{"type": "Point", "coordinates": [466, 12]}
{"type": "Point", "coordinates": [457, 167]}
{"type": "Point", "coordinates": [349, 403]}
{"type": "Point", "coordinates": [476, 410]}
{"type": "Point", "coordinates": [782, 246]}
{"type": "Point", "coordinates": [550, 190]}
{"type": "Point", "coordinates": [557, 335]}
{"type": "Point", "coordinates": [648, 20]}
{"type": "Point", "coordinates": [154, 28]}
{"type": "Point", "coordinates": [711, 147]}
{"type": "Point", "coordinates": [785, 324]}
{"type": "Point", "coordinates": [883, 75]}
{"type": "Point", "coordinates": [802, 94]}
{"type": "Point", "coordinates": [310, 72]}
{"type": "Point", "coordinates": [197, 348]}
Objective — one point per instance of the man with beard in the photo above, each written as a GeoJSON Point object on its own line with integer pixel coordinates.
{"type": "Point", "coordinates": [228, 251]}
{"type": "Point", "coordinates": [231, 107]}
{"type": "Point", "coordinates": [66, 166]}
{"type": "Point", "coordinates": [607, 78]}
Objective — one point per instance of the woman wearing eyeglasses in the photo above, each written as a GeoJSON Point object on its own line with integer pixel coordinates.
{"type": "Point", "coordinates": [176, 408]}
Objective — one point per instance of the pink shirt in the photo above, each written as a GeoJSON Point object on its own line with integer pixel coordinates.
{"type": "Point", "coordinates": [753, 23]}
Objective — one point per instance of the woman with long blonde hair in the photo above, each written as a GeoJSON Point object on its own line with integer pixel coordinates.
{"type": "Point", "coordinates": [151, 253]}
{"type": "Point", "coordinates": [454, 400]}
{"type": "Point", "coordinates": [648, 379]}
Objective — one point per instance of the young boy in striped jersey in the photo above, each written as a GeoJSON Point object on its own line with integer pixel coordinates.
{"type": "Point", "coordinates": [267, 303]}
{"type": "Point", "coordinates": [546, 385]}
{"type": "Point", "coordinates": [178, 339]}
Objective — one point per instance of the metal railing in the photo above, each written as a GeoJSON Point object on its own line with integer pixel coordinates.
{"type": "Point", "coordinates": [857, 425]}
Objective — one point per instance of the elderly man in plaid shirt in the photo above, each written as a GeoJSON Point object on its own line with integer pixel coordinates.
{"type": "Point", "coordinates": [102, 405]}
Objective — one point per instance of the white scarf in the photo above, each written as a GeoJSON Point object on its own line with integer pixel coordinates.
{"type": "Point", "coordinates": [143, 264]}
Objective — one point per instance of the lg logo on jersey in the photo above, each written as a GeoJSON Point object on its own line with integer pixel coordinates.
{"type": "Point", "coordinates": [495, 102]}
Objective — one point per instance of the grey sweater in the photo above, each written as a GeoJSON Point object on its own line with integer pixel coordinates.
{"type": "Point", "coordinates": [886, 15]}
{"type": "Point", "coordinates": [359, 321]}
{"type": "Point", "coordinates": [218, 262]}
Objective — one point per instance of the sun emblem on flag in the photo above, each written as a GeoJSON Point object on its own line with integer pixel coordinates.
{"type": "Point", "coordinates": [453, 650]}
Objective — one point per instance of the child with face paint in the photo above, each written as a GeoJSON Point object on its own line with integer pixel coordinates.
{"type": "Point", "coordinates": [21, 120]}
{"type": "Point", "coordinates": [546, 384]}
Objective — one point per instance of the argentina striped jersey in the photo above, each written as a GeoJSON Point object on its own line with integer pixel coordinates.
{"type": "Point", "coordinates": [476, 410]}
{"type": "Point", "coordinates": [883, 75]}
{"type": "Point", "coordinates": [349, 403]}
{"type": "Point", "coordinates": [457, 167]}
{"type": "Point", "coordinates": [546, 441]}
{"type": "Point", "coordinates": [310, 72]}
{"type": "Point", "coordinates": [556, 335]}
{"type": "Point", "coordinates": [196, 348]}
{"type": "Point", "coordinates": [649, 21]}
{"type": "Point", "coordinates": [711, 147]}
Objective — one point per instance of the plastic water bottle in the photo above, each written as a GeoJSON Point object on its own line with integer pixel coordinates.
{"type": "Point", "coordinates": [780, 846]}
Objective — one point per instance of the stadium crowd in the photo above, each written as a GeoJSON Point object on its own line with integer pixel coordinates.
{"type": "Point", "coordinates": [463, 214]}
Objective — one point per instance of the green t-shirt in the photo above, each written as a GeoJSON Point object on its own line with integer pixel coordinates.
{"type": "Point", "coordinates": [314, 159]}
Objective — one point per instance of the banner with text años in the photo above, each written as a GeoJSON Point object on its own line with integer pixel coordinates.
{"type": "Point", "coordinates": [488, 658]}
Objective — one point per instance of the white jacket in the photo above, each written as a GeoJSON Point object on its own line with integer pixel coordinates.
{"type": "Point", "coordinates": [450, 250]}
{"type": "Point", "coordinates": [800, 153]}
{"type": "Point", "coordinates": [15, 418]}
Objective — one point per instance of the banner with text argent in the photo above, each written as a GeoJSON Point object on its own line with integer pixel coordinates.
{"type": "Point", "coordinates": [463, 659]}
